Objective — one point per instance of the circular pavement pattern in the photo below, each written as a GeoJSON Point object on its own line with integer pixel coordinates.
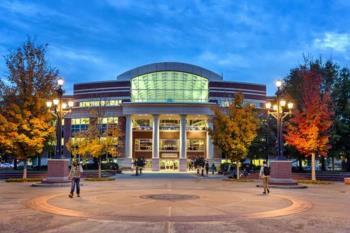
{"type": "Point", "coordinates": [170, 197]}
{"type": "Point", "coordinates": [176, 205]}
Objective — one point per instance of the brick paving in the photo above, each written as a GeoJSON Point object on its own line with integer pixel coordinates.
{"type": "Point", "coordinates": [219, 206]}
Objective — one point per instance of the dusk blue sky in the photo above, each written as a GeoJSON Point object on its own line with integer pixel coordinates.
{"type": "Point", "coordinates": [250, 41]}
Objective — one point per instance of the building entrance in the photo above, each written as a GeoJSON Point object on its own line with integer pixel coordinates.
{"type": "Point", "coordinates": [169, 164]}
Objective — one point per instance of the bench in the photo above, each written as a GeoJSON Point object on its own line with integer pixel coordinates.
{"type": "Point", "coordinates": [347, 180]}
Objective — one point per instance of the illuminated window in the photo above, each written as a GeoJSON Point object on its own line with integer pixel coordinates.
{"type": "Point", "coordinates": [196, 125]}
{"type": "Point", "coordinates": [142, 124]}
{"type": "Point", "coordinates": [169, 124]}
{"type": "Point", "coordinates": [169, 86]}
{"type": "Point", "coordinates": [108, 120]}
{"type": "Point", "coordinates": [169, 144]}
{"type": "Point", "coordinates": [79, 124]}
{"type": "Point", "coordinates": [105, 123]}
{"type": "Point", "coordinates": [143, 144]}
{"type": "Point", "coordinates": [195, 145]}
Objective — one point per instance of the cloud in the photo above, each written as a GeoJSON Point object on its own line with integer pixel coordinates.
{"type": "Point", "coordinates": [64, 53]}
{"type": "Point", "coordinates": [26, 9]}
{"type": "Point", "coordinates": [336, 41]}
{"type": "Point", "coordinates": [224, 59]}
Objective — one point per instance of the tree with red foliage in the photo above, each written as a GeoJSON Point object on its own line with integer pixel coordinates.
{"type": "Point", "coordinates": [308, 130]}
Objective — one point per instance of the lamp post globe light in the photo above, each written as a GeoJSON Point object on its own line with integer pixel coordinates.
{"type": "Point", "coordinates": [281, 168]}
{"type": "Point", "coordinates": [59, 109]}
{"type": "Point", "coordinates": [58, 167]}
{"type": "Point", "coordinates": [280, 110]}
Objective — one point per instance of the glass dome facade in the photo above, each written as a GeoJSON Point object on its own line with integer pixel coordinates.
{"type": "Point", "coordinates": [169, 87]}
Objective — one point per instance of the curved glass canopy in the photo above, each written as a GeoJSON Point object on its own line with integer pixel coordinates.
{"type": "Point", "coordinates": [168, 87]}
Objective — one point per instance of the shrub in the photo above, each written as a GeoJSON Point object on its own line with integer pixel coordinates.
{"type": "Point", "coordinates": [314, 182]}
{"type": "Point", "coordinates": [100, 179]}
{"type": "Point", "coordinates": [21, 180]}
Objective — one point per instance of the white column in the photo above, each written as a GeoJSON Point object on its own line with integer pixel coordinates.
{"type": "Point", "coordinates": [128, 137]}
{"type": "Point", "coordinates": [210, 146]}
{"type": "Point", "coordinates": [183, 144]}
{"type": "Point", "coordinates": [155, 143]}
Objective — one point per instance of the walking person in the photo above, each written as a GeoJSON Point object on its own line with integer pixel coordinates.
{"type": "Point", "coordinates": [206, 168]}
{"type": "Point", "coordinates": [74, 175]}
{"type": "Point", "coordinates": [213, 169]}
{"type": "Point", "coordinates": [265, 175]}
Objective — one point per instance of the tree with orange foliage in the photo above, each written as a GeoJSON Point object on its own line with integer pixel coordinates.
{"type": "Point", "coordinates": [25, 123]}
{"type": "Point", "coordinates": [308, 130]}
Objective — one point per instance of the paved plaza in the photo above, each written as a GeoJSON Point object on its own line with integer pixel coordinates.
{"type": "Point", "coordinates": [174, 203]}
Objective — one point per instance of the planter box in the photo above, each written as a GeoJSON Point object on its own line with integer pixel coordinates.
{"type": "Point", "coordinates": [347, 180]}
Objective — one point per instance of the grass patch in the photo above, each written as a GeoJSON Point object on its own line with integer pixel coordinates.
{"type": "Point", "coordinates": [314, 182]}
{"type": "Point", "coordinates": [99, 179]}
{"type": "Point", "coordinates": [240, 180]}
{"type": "Point", "coordinates": [21, 180]}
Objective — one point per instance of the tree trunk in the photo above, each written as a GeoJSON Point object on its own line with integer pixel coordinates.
{"type": "Point", "coordinates": [237, 169]}
{"type": "Point", "coordinates": [25, 170]}
{"type": "Point", "coordinates": [99, 167]}
{"type": "Point", "coordinates": [313, 167]}
{"type": "Point", "coordinates": [333, 163]}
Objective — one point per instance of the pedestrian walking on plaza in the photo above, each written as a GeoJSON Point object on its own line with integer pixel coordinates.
{"type": "Point", "coordinates": [213, 169]}
{"type": "Point", "coordinates": [207, 168]}
{"type": "Point", "coordinates": [265, 175]}
{"type": "Point", "coordinates": [74, 175]}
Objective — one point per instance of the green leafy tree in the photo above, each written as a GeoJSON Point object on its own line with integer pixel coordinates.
{"type": "Point", "coordinates": [341, 128]}
{"type": "Point", "coordinates": [263, 146]}
{"type": "Point", "coordinates": [234, 129]}
{"type": "Point", "coordinates": [25, 123]}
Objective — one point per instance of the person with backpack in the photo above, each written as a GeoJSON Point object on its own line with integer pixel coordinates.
{"type": "Point", "coordinates": [265, 174]}
{"type": "Point", "coordinates": [74, 175]}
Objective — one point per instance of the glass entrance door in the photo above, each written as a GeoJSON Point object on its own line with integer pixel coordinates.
{"type": "Point", "coordinates": [169, 164]}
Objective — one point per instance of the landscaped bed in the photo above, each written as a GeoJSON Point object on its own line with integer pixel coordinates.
{"type": "Point", "coordinates": [100, 179]}
{"type": "Point", "coordinates": [314, 182]}
{"type": "Point", "coordinates": [21, 180]}
{"type": "Point", "coordinates": [240, 180]}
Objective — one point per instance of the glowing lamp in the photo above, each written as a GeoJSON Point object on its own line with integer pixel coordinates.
{"type": "Point", "coordinates": [56, 101]}
{"type": "Point", "coordinates": [49, 104]}
{"type": "Point", "coordinates": [268, 105]}
{"type": "Point", "coordinates": [278, 83]}
{"type": "Point", "coordinates": [290, 105]}
{"type": "Point", "coordinates": [70, 103]}
{"type": "Point", "coordinates": [64, 105]}
{"type": "Point", "coordinates": [60, 82]}
{"type": "Point", "coordinates": [283, 103]}
{"type": "Point", "coordinates": [275, 107]}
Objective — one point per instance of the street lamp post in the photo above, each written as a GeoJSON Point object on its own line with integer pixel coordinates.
{"type": "Point", "coordinates": [281, 168]}
{"type": "Point", "coordinates": [279, 111]}
{"type": "Point", "coordinates": [59, 109]}
{"type": "Point", "coordinates": [57, 172]}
